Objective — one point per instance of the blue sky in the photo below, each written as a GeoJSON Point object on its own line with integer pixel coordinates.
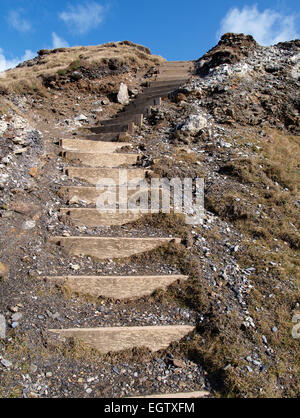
{"type": "Point", "coordinates": [175, 29]}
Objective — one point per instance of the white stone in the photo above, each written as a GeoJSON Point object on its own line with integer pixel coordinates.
{"type": "Point", "coordinates": [3, 126]}
{"type": "Point", "coordinates": [28, 225]}
{"type": "Point", "coordinates": [123, 97]}
{"type": "Point", "coordinates": [81, 118]}
{"type": "Point", "coordinates": [2, 327]}
{"type": "Point", "coordinates": [195, 123]}
{"type": "Point", "coordinates": [6, 363]}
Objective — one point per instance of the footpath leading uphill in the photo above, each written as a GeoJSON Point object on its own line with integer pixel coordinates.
{"type": "Point", "coordinates": [96, 157]}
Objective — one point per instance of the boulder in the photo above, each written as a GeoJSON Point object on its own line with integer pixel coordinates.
{"type": "Point", "coordinates": [194, 124]}
{"type": "Point", "coordinates": [123, 96]}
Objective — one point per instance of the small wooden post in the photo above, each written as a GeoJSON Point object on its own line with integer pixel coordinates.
{"type": "Point", "coordinates": [139, 120]}
{"type": "Point", "coordinates": [131, 128]}
{"type": "Point", "coordinates": [157, 102]}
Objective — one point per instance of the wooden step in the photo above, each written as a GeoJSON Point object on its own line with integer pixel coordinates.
{"type": "Point", "coordinates": [162, 89]}
{"type": "Point", "coordinates": [92, 146]}
{"type": "Point", "coordinates": [138, 106]}
{"type": "Point", "coordinates": [108, 248]}
{"type": "Point", "coordinates": [87, 195]}
{"type": "Point", "coordinates": [162, 77]}
{"type": "Point", "coordinates": [176, 71]}
{"type": "Point", "coordinates": [115, 287]}
{"type": "Point", "coordinates": [150, 97]}
{"type": "Point", "coordinates": [110, 137]}
{"type": "Point", "coordinates": [118, 119]}
{"type": "Point", "coordinates": [92, 159]}
{"type": "Point", "coordinates": [109, 340]}
{"type": "Point", "coordinates": [164, 82]}
{"type": "Point", "coordinates": [167, 63]}
{"type": "Point", "coordinates": [121, 127]}
{"type": "Point", "coordinates": [94, 218]}
{"type": "Point", "coordinates": [94, 175]}
{"type": "Point", "coordinates": [181, 395]}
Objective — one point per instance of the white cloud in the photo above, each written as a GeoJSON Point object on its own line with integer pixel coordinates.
{"type": "Point", "coordinates": [83, 17]}
{"type": "Point", "coordinates": [6, 64]}
{"type": "Point", "coordinates": [58, 42]}
{"type": "Point", "coordinates": [267, 27]}
{"type": "Point", "coordinates": [16, 20]}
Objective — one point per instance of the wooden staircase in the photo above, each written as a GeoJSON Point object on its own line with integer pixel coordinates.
{"type": "Point", "coordinates": [96, 155]}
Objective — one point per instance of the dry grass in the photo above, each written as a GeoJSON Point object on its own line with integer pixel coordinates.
{"type": "Point", "coordinates": [29, 79]}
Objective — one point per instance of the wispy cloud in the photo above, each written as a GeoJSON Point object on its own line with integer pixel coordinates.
{"type": "Point", "coordinates": [58, 42]}
{"type": "Point", "coordinates": [17, 21]}
{"type": "Point", "coordinates": [84, 17]}
{"type": "Point", "coordinates": [6, 64]}
{"type": "Point", "coordinates": [268, 27]}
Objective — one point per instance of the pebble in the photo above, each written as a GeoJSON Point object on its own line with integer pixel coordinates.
{"type": "Point", "coordinates": [3, 270]}
{"type": "Point", "coordinates": [80, 118]}
{"type": "Point", "coordinates": [33, 368]}
{"type": "Point", "coordinates": [16, 317]}
{"type": "Point", "coordinates": [178, 363]}
{"type": "Point", "coordinates": [6, 363]}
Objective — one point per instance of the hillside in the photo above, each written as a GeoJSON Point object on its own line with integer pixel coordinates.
{"type": "Point", "coordinates": [232, 118]}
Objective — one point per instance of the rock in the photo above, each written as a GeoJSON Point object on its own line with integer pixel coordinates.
{"type": "Point", "coordinates": [81, 118]}
{"type": "Point", "coordinates": [97, 110]}
{"type": "Point", "coordinates": [2, 327]}
{"type": "Point", "coordinates": [33, 172]}
{"type": "Point", "coordinates": [49, 374]}
{"type": "Point", "coordinates": [28, 225]}
{"type": "Point", "coordinates": [123, 96]}
{"type": "Point", "coordinates": [33, 368]}
{"type": "Point", "coordinates": [24, 208]}
{"type": "Point", "coordinates": [3, 270]}
{"type": "Point", "coordinates": [6, 363]}
{"type": "Point", "coordinates": [75, 267]}
{"type": "Point", "coordinates": [194, 124]}
{"type": "Point", "coordinates": [16, 317]}
{"type": "Point", "coordinates": [178, 363]}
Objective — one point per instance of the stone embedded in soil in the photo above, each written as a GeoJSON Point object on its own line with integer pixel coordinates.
{"type": "Point", "coordinates": [28, 225]}
{"type": "Point", "coordinates": [6, 363]}
{"type": "Point", "coordinates": [194, 124]}
{"type": "Point", "coordinates": [16, 317]}
{"type": "Point", "coordinates": [2, 327]}
{"type": "Point", "coordinates": [33, 172]}
{"type": "Point", "coordinates": [3, 269]}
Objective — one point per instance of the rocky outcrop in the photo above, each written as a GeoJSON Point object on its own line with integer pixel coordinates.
{"type": "Point", "coordinates": [230, 50]}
